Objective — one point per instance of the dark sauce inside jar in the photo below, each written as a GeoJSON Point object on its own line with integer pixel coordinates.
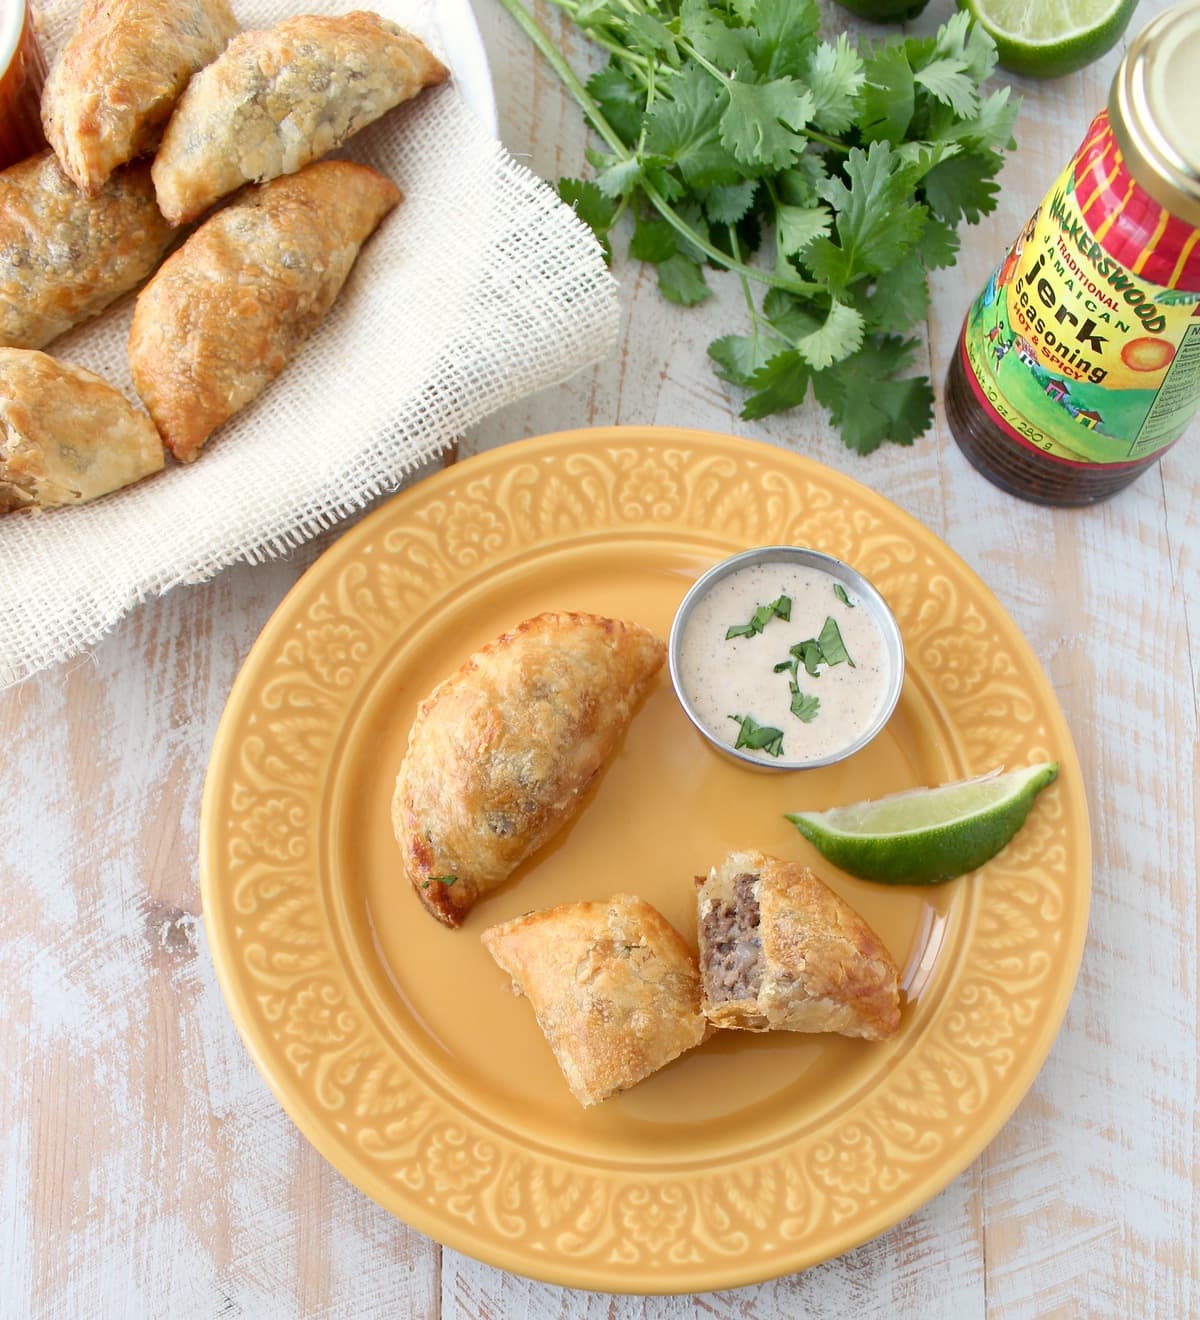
{"type": "Point", "coordinates": [1078, 364]}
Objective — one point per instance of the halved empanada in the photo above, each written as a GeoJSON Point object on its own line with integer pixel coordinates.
{"type": "Point", "coordinates": [613, 985]}
{"type": "Point", "coordinates": [501, 752]}
{"type": "Point", "coordinates": [117, 79]}
{"type": "Point", "coordinates": [228, 311]}
{"type": "Point", "coordinates": [64, 256]}
{"type": "Point", "coordinates": [779, 950]}
{"type": "Point", "coordinates": [66, 436]}
{"type": "Point", "coordinates": [279, 98]}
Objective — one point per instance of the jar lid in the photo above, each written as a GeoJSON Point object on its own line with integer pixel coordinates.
{"type": "Point", "coordinates": [1152, 109]}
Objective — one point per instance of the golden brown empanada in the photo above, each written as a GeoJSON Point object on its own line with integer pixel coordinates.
{"type": "Point", "coordinates": [65, 257]}
{"type": "Point", "coordinates": [501, 753]}
{"type": "Point", "coordinates": [613, 985]}
{"type": "Point", "coordinates": [282, 97]}
{"type": "Point", "coordinates": [66, 436]}
{"type": "Point", "coordinates": [779, 950]}
{"type": "Point", "coordinates": [117, 79]}
{"type": "Point", "coordinates": [230, 309]}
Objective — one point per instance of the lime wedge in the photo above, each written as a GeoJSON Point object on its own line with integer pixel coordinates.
{"type": "Point", "coordinates": [926, 835]}
{"type": "Point", "coordinates": [1048, 38]}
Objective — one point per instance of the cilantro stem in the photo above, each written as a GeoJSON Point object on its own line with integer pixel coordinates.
{"type": "Point", "coordinates": [554, 57]}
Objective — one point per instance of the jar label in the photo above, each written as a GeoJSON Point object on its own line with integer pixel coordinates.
{"type": "Point", "coordinates": [1074, 352]}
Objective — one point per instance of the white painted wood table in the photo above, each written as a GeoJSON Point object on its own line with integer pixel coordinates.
{"type": "Point", "coordinates": [145, 1169]}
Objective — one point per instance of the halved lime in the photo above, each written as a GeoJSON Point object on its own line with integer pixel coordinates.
{"type": "Point", "coordinates": [1048, 38]}
{"type": "Point", "coordinates": [926, 835]}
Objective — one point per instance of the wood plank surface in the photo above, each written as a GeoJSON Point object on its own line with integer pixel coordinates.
{"type": "Point", "coordinates": [145, 1168]}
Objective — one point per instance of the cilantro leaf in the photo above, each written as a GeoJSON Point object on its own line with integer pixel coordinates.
{"type": "Point", "coordinates": [877, 222]}
{"type": "Point", "coordinates": [738, 357]}
{"type": "Point", "coordinates": [783, 33]}
{"type": "Point", "coordinates": [684, 130]}
{"type": "Point", "coordinates": [891, 409]}
{"type": "Point", "coordinates": [963, 187]}
{"type": "Point", "coordinates": [833, 648]}
{"type": "Point", "coordinates": [758, 737]}
{"type": "Point", "coordinates": [809, 655]}
{"type": "Point", "coordinates": [681, 280]}
{"type": "Point", "coordinates": [779, 608]}
{"type": "Point", "coordinates": [781, 382]}
{"type": "Point", "coordinates": [727, 205]}
{"type": "Point", "coordinates": [895, 299]}
{"type": "Point", "coordinates": [616, 177]}
{"type": "Point", "coordinates": [804, 706]}
{"type": "Point", "coordinates": [760, 122]}
{"type": "Point", "coordinates": [835, 76]}
{"type": "Point", "coordinates": [797, 226]}
{"type": "Point", "coordinates": [939, 244]}
{"type": "Point", "coordinates": [619, 98]}
{"type": "Point", "coordinates": [840, 336]}
{"type": "Point", "coordinates": [653, 241]}
{"type": "Point", "coordinates": [959, 38]}
{"type": "Point", "coordinates": [798, 185]}
{"type": "Point", "coordinates": [889, 94]}
{"type": "Point", "coordinates": [721, 43]}
{"type": "Point", "coordinates": [592, 207]}
{"type": "Point", "coordinates": [949, 81]}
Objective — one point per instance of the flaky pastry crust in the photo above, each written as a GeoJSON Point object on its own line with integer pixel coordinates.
{"type": "Point", "coordinates": [66, 436]}
{"type": "Point", "coordinates": [278, 98]}
{"type": "Point", "coordinates": [501, 753]}
{"type": "Point", "coordinates": [613, 985]}
{"type": "Point", "coordinates": [818, 965]}
{"type": "Point", "coordinates": [117, 79]}
{"type": "Point", "coordinates": [230, 309]}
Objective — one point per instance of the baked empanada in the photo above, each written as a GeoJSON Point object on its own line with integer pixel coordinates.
{"type": "Point", "coordinates": [779, 950]}
{"type": "Point", "coordinates": [613, 985]}
{"type": "Point", "coordinates": [231, 308]}
{"type": "Point", "coordinates": [117, 79]}
{"type": "Point", "coordinates": [501, 753]}
{"type": "Point", "coordinates": [65, 257]}
{"type": "Point", "coordinates": [66, 436]}
{"type": "Point", "coordinates": [282, 97]}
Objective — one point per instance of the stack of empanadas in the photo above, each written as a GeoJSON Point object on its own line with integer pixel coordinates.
{"type": "Point", "coordinates": [83, 225]}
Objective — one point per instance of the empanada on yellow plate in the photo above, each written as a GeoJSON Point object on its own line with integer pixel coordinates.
{"type": "Point", "coordinates": [230, 309]}
{"type": "Point", "coordinates": [501, 753]}
{"type": "Point", "coordinates": [279, 98]}
{"type": "Point", "coordinates": [66, 436]}
{"type": "Point", "coordinates": [117, 79]}
{"type": "Point", "coordinates": [613, 985]}
{"type": "Point", "coordinates": [779, 950]}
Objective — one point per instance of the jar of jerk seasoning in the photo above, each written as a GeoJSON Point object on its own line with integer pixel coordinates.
{"type": "Point", "coordinates": [1079, 363]}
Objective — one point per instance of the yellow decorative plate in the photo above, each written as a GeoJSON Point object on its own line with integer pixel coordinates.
{"type": "Point", "coordinates": [394, 1043]}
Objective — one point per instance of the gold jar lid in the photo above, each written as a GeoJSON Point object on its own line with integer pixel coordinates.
{"type": "Point", "coordinates": [1153, 110]}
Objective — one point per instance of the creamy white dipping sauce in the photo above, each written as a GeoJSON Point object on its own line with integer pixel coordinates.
{"type": "Point", "coordinates": [735, 677]}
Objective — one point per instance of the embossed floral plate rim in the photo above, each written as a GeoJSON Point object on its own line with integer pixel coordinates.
{"type": "Point", "coordinates": [895, 1146]}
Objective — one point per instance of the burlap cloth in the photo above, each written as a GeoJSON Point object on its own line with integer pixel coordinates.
{"type": "Point", "coordinates": [480, 288]}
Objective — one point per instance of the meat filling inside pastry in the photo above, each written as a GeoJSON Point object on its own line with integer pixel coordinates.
{"type": "Point", "coordinates": [66, 436]}
{"type": "Point", "coordinates": [779, 950]}
{"type": "Point", "coordinates": [276, 99]}
{"type": "Point", "coordinates": [613, 985]}
{"type": "Point", "coordinates": [501, 753]}
{"type": "Point", "coordinates": [117, 79]}
{"type": "Point", "coordinates": [63, 256]}
{"type": "Point", "coordinates": [231, 308]}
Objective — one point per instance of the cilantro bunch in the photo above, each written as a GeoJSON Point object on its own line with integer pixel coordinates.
{"type": "Point", "coordinates": [826, 175]}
